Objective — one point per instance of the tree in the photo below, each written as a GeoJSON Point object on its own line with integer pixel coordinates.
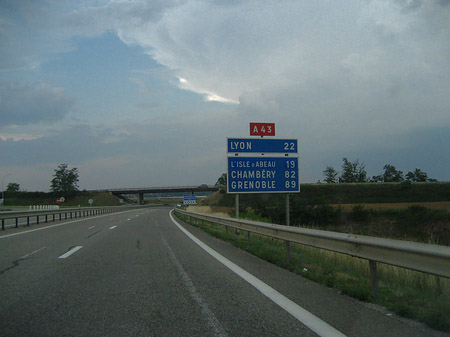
{"type": "Point", "coordinates": [376, 179]}
{"type": "Point", "coordinates": [417, 176]}
{"type": "Point", "coordinates": [222, 181]}
{"type": "Point", "coordinates": [13, 187]}
{"type": "Point", "coordinates": [391, 175]}
{"type": "Point", "coordinates": [352, 172]}
{"type": "Point", "coordinates": [65, 180]}
{"type": "Point", "coordinates": [330, 175]}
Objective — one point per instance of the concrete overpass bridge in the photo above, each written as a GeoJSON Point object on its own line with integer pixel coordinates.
{"type": "Point", "coordinates": [123, 193]}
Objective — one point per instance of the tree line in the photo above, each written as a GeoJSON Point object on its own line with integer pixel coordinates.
{"type": "Point", "coordinates": [354, 172]}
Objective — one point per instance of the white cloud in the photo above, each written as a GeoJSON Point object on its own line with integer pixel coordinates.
{"type": "Point", "coordinates": [251, 51]}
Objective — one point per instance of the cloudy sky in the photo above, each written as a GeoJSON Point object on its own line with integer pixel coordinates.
{"type": "Point", "coordinates": [145, 93]}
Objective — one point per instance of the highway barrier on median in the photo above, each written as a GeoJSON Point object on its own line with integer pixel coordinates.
{"type": "Point", "coordinates": [57, 214]}
{"type": "Point", "coordinates": [422, 257]}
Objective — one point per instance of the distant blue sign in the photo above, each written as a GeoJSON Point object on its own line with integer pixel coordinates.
{"type": "Point", "coordinates": [258, 145]}
{"type": "Point", "coordinates": [263, 175]}
{"type": "Point", "coordinates": [189, 199]}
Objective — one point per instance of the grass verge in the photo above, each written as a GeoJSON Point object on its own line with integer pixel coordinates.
{"type": "Point", "coordinates": [410, 294]}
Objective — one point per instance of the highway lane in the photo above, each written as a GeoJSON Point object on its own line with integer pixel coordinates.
{"type": "Point", "coordinates": [136, 274]}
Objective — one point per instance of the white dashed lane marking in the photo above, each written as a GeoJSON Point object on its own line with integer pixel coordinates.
{"type": "Point", "coordinates": [70, 252]}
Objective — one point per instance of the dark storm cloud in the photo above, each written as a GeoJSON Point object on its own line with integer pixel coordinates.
{"type": "Point", "coordinates": [27, 104]}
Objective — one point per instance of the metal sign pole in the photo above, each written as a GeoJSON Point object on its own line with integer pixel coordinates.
{"type": "Point", "coordinates": [237, 206]}
{"type": "Point", "coordinates": [288, 217]}
{"type": "Point", "coordinates": [236, 231]}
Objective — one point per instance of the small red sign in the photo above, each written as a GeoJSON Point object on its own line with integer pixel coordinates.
{"type": "Point", "coordinates": [58, 201]}
{"type": "Point", "coordinates": [262, 129]}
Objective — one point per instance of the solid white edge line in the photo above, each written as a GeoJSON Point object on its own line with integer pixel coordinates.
{"type": "Point", "coordinates": [314, 323]}
{"type": "Point", "coordinates": [60, 224]}
{"type": "Point", "coordinates": [70, 252]}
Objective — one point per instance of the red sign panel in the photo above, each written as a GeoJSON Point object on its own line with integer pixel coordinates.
{"type": "Point", "coordinates": [262, 129]}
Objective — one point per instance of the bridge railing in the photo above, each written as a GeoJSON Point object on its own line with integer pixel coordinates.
{"type": "Point", "coordinates": [426, 258]}
{"type": "Point", "coordinates": [169, 188]}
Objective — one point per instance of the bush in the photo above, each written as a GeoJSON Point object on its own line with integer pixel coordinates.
{"type": "Point", "coordinates": [359, 213]}
{"type": "Point", "coordinates": [418, 221]}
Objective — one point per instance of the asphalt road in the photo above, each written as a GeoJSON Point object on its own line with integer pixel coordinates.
{"type": "Point", "coordinates": [135, 273]}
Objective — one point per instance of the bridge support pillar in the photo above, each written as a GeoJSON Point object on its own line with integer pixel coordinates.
{"type": "Point", "coordinates": [140, 198]}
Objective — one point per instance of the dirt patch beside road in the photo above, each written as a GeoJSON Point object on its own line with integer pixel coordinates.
{"type": "Point", "coordinates": [218, 211]}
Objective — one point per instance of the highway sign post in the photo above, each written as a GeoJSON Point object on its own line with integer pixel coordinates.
{"type": "Point", "coordinates": [258, 145]}
{"type": "Point", "coordinates": [256, 173]}
{"type": "Point", "coordinates": [262, 129]}
{"type": "Point", "coordinates": [263, 175]}
{"type": "Point", "coordinates": [189, 199]}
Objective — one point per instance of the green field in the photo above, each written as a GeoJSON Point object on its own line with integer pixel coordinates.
{"type": "Point", "coordinates": [318, 194]}
{"type": "Point", "coordinates": [25, 199]}
{"type": "Point", "coordinates": [415, 212]}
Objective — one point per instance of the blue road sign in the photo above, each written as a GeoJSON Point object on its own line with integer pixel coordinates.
{"type": "Point", "coordinates": [258, 145]}
{"type": "Point", "coordinates": [189, 199]}
{"type": "Point", "coordinates": [263, 175]}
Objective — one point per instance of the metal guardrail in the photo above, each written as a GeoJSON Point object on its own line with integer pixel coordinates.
{"type": "Point", "coordinates": [62, 213]}
{"type": "Point", "coordinates": [426, 258]}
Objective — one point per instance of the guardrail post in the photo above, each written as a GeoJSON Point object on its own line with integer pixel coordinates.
{"type": "Point", "coordinates": [248, 238]}
{"type": "Point", "coordinates": [288, 251]}
{"type": "Point", "coordinates": [17, 222]}
{"type": "Point", "coordinates": [46, 218]}
{"type": "Point", "coordinates": [28, 221]}
{"type": "Point", "coordinates": [37, 220]}
{"type": "Point", "coordinates": [373, 278]}
{"type": "Point", "coordinates": [3, 224]}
